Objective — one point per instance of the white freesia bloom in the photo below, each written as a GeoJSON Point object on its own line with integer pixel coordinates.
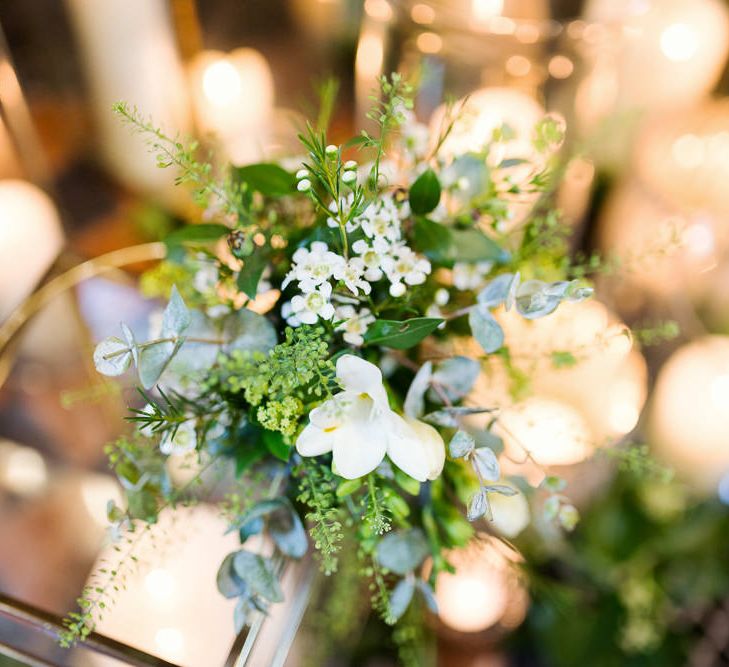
{"type": "Point", "coordinates": [359, 428]}
{"type": "Point", "coordinates": [184, 439]}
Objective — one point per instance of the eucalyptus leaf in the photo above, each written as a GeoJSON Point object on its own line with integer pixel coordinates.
{"type": "Point", "coordinates": [501, 489]}
{"type": "Point", "coordinates": [229, 583]}
{"type": "Point", "coordinates": [176, 316]}
{"type": "Point", "coordinates": [401, 597]}
{"type": "Point", "coordinates": [248, 331]}
{"type": "Point", "coordinates": [241, 614]}
{"type": "Point", "coordinates": [534, 299]}
{"type": "Point", "coordinates": [401, 335]}
{"type": "Point", "coordinates": [402, 551]}
{"type": "Point", "coordinates": [486, 438]}
{"type": "Point", "coordinates": [478, 506]}
{"type": "Point", "coordinates": [428, 595]}
{"type": "Point", "coordinates": [425, 193]}
{"type": "Point", "coordinates": [449, 416]}
{"type": "Point", "coordinates": [461, 445]}
{"type": "Point", "coordinates": [495, 291]}
{"type": "Point", "coordinates": [288, 532]}
{"type": "Point", "coordinates": [259, 575]}
{"type": "Point", "coordinates": [153, 360]}
{"type": "Point", "coordinates": [112, 356]}
{"type": "Point", "coordinates": [131, 342]}
{"type": "Point", "coordinates": [485, 461]}
{"type": "Point", "coordinates": [414, 405]}
{"type": "Point", "coordinates": [485, 329]}
{"type": "Point", "coordinates": [456, 377]}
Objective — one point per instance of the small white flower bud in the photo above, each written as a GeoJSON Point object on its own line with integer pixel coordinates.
{"type": "Point", "coordinates": [302, 173]}
{"type": "Point", "coordinates": [397, 289]}
{"type": "Point", "coordinates": [350, 164]}
{"type": "Point", "coordinates": [332, 150]}
{"type": "Point", "coordinates": [349, 176]}
{"type": "Point", "coordinates": [304, 185]}
{"type": "Point", "coordinates": [442, 297]}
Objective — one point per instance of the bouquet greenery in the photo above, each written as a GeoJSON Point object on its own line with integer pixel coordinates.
{"type": "Point", "coordinates": [306, 349]}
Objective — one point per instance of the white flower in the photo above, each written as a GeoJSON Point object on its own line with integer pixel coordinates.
{"type": "Point", "coordinates": [313, 305]}
{"type": "Point", "coordinates": [287, 312]}
{"type": "Point", "coordinates": [441, 296]}
{"type": "Point", "coordinates": [405, 265]}
{"type": "Point", "coordinates": [372, 259]}
{"type": "Point", "coordinates": [312, 266]}
{"type": "Point", "coordinates": [349, 177]}
{"type": "Point", "coordinates": [303, 185]}
{"type": "Point", "coordinates": [351, 275]}
{"type": "Point", "coordinates": [470, 276]}
{"type": "Point", "coordinates": [354, 324]}
{"type": "Point", "coordinates": [359, 428]}
{"type": "Point", "coordinates": [183, 440]}
{"type": "Point", "coordinates": [205, 278]}
{"type": "Point", "coordinates": [381, 220]}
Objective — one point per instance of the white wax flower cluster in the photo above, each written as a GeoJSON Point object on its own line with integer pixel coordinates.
{"type": "Point", "coordinates": [382, 254]}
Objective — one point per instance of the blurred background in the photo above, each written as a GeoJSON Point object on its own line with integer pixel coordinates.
{"type": "Point", "coordinates": [644, 88]}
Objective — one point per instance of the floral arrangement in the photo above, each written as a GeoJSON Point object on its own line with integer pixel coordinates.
{"type": "Point", "coordinates": [308, 349]}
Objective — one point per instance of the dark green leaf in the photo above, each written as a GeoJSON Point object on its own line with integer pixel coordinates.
{"type": "Point", "coordinates": [435, 241]}
{"type": "Point", "coordinates": [195, 234]}
{"type": "Point", "coordinates": [425, 193]}
{"type": "Point", "coordinates": [250, 274]}
{"type": "Point", "coordinates": [472, 245]}
{"type": "Point", "coordinates": [401, 335]}
{"type": "Point", "coordinates": [268, 179]}
{"type": "Point", "coordinates": [407, 483]}
{"type": "Point", "coordinates": [275, 444]}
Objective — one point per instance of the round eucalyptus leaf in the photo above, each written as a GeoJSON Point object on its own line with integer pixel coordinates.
{"type": "Point", "coordinates": [485, 461]}
{"type": "Point", "coordinates": [402, 551]}
{"type": "Point", "coordinates": [401, 598]}
{"type": "Point", "coordinates": [461, 445]}
{"type": "Point", "coordinates": [112, 356]}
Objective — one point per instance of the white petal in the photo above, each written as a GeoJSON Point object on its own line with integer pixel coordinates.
{"type": "Point", "coordinates": [307, 317]}
{"type": "Point", "coordinates": [313, 441]}
{"type": "Point", "coordinates": [416, 448]}
{"type": "Point", "coordinates": [358, 450]}
{"type": "Point", "coordinates": [327, 311]}
{"type": "Point", "coordinates": [361, 377]}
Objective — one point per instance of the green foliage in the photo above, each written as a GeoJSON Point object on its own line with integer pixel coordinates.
{"type": "Point", "coordinates": [317, 490]}
{"type": "Point", "coordinates": [636, 459]}
{"type": "Point", "coordinates": [172, 152]}
{"type": "Point", "coordinates": [270, 180]}
{"type": "Point", "coordinates": [377, 515]}
{"type": "Point", "coordinates": [425, 193]}
{"type": "Point", "coordinates": [401, 335]}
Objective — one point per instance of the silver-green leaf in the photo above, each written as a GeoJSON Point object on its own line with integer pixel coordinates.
{"type": "Point", "coordinates": [112, 356]}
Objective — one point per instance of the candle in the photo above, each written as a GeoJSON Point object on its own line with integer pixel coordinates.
{"type": "Point", "coordinates": [668, 249]}
{"type": "Point", "coordinates": [485, 589]}
{"type": "Point", "coordinates": [602, 357]}
{"type": "Point", "coordinates": [689, 417]}
{"type": "Point", "coordinates": [684, 156]}
{"type": "Point", "coordinates": [129, 54]}
{"type": "Point", "coordinates": [666, 54]}
{"type": "Point", "coordinates": [169, 607]}
{"type": "Point", "coordinates": [30, 239]}
{"type": "Point", "coordinates": [233, 99]}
